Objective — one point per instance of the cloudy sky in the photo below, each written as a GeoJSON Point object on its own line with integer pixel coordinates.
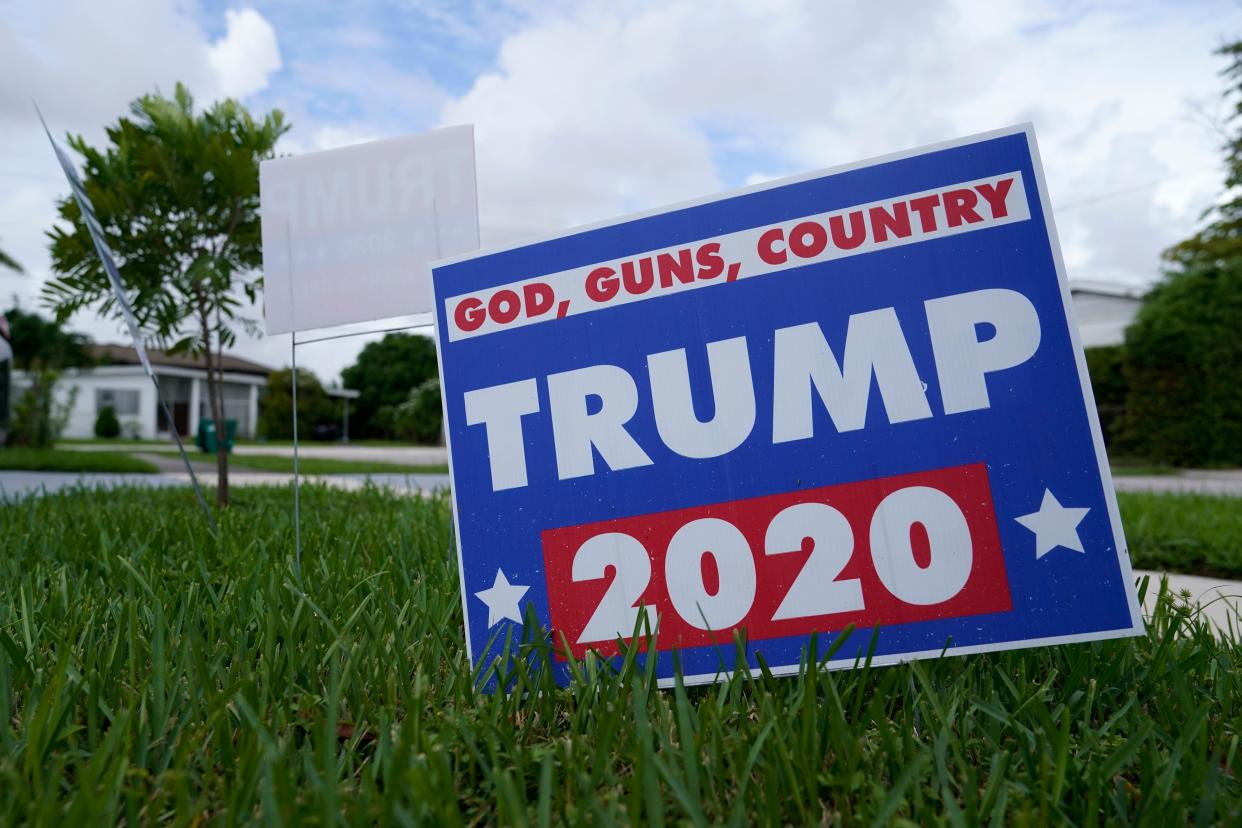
{"type": "Point", "coordinates": [586, 110]}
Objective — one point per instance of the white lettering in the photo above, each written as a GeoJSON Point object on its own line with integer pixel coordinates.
{"type": "Point", "coordinates": [575, 431]}
{"type": "Point", "coordinates": [733, 395]}
{"type": "Point", "coordinates": [874, 343]}
{"type": "Point", "coordinates": [962, 361]}
{"type": "Point", "coordinates": [500, 409]}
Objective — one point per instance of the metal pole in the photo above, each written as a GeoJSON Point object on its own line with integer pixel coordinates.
{"type": "Point", "coordinates": [293, 358]}
{"type": "Point", "coordinates": [297, 512]}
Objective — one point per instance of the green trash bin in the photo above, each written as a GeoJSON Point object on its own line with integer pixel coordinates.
{"type": "Point", "coordinates": [206, 437]}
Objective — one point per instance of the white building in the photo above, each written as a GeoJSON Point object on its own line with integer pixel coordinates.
{"type": "Point", "coordinates": [1104, 310]}
{"type": "Point", "coordinates": [120, 381]}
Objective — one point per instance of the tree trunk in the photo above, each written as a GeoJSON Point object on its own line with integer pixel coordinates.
{"type": "Point", "coordinates": [215, 393]}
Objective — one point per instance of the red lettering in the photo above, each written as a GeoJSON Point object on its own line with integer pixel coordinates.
{"type": "Point", "coordinates": [959, 205]}
{"type": "Point", "coordinates": [996, 196]}
{"type": "Point", "coordinates": [602, 284]}
{"type": "Point", "coordinates": [798, 239]}
{"type": "Point", "coordinates": [640, 282]}
{"type": "Point", "coordinates": [767, 249]}
{"type": "Point", "coordinates": [858, 230]}
{"type": "Point", "coordinates": [680, 268]}
{"type": "Point", "coordinates": [711, 263]}
{"type": "Point", "coordinates": [469, 314]}
{"type": "Point", "coordinates": [504, 306]}
{"type": "Point", "coordinates": [539, 298]}
{"type": "Point", "coordinates": [926, 208]}
{"type": "Point", "coordinates": [882, 222]}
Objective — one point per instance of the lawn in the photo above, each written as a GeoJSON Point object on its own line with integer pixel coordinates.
{"type": "Point", "coordinates": [244, 441]}
{"type": "Point", "coordinates": [1192, 533]}
{"type": "Point", "coordinates": [150, 674]}
{"type": "Point", "coordinates": [27, 459]}
{"type": "Point", "coordinates": [316, 465]}
{"type": "Point", "coordinates": [116, 441]}
{"type": "Point", "coordinates": [1123, 466]}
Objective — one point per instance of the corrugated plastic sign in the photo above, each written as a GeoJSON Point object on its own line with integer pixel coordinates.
{"type": "Point", "coordinates": [854, 397]}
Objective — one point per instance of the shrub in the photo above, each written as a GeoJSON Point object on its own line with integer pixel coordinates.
{"type": "Point", "coordinates": [107, 425]}
{"type": "Point", "coordinates": [38, 419]}
{"type": "Point", "coordinates": [383, 374]}
{"type": "Point", "coordinates": [276, 406]}
{"type": "Point", "coordinates": [418, 418]}
{"type": "Point", "coordinates": [1106, 365]}
{"type": "Point", "coordinates": [1184, 368]}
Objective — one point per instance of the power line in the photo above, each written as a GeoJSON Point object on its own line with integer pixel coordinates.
{"type": "Point", "coordinates": [1134, 188]}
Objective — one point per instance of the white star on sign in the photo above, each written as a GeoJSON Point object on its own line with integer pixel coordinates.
{"type": "Point", "coordinates": [1054, 525]}
{"type": "Point", "coordinates": [502, 600]}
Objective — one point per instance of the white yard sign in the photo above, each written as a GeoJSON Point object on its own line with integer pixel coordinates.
{"type": "Point", "coordinates": [348, 233]}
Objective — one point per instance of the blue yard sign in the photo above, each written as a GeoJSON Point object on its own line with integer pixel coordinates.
{"type": "Point", "coordinates": [855, 397]}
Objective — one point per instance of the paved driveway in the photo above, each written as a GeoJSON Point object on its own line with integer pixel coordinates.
{"type": "Point", "coordinates": [19, 484]}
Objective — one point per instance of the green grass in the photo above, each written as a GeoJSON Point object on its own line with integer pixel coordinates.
{"type": "Point", "coordinates": [1123, 466]}
{"type": "Point", "coordinates": [150, 675]}
{"type": "Point", "coordinates": [1192, 533]}
{"type": "Point", "coordinates": [123, 441]}
{"type": "Point", "coordinates": [316, 465]}
{"type": "Point", "coordinates": [27, 459]}
{"type": "Point", "coordinates": [245, 441]}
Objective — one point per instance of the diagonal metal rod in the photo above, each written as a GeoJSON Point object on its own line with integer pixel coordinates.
{"type": "Point", "coordinates": [108, 262]}
{"type": "Point", "coordinates": [185, 458]}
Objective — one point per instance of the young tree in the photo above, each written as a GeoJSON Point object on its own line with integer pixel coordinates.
{"type": "Point", "coordinates": [177, 193]}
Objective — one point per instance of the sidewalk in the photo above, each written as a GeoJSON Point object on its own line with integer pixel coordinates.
{"type": "Point", "coordinates": [1225, 482]}
{"type": "Point", "coordinates": [15, 485]}
{"type": "Point", "coordinates": [402, 455]}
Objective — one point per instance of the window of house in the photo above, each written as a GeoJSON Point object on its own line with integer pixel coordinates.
{"type": "Point", "coordinates": [123, 401]}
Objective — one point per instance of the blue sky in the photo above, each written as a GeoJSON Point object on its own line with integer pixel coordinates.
{"type": "Point", "coordinates": [587, 110]}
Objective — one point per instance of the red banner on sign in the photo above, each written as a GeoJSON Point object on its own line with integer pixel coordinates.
{"type": "Point", "coordinates": [893, 550]}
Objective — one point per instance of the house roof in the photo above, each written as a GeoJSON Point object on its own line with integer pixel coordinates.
{"type": "Point", "coordinates": [125, 355]}
{"type": "Point", "coordinates": [1102, 288]}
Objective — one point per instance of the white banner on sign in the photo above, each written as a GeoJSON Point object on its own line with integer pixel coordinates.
{"type": "Point", "coordinates": [348, 233]}
{"type": "Point", "coordinates": [759, 251]}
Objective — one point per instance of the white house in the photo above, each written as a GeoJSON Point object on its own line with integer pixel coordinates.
{"type": "Point", "coordinates": [120, 381]}
{"type": "Point", "coordinates": [1104, 310]}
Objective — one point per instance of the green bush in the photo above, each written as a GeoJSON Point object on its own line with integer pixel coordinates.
{"type": "Point", "coordinates": [418, 418]}
{"type": "Point", "coordinates": [384, 374]}
{"type": "Point", "coordinates": [1106, 365]}
{"type": "Point", "coordinates": [1184, 369]}
{"type": "Point", "coordinates": [276, 406]}
{"type": "Point", "coordinates": [38, 417]}
{"type": "Point", "coordinates": [107, 425]}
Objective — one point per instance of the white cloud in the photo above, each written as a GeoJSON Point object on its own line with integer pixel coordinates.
{"type": "Point", "coordinates": [246, 56]}
{"type": "Point", "coordinates": [610, 108]}
{"type": "Point", "coordinates": [84, 61]}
